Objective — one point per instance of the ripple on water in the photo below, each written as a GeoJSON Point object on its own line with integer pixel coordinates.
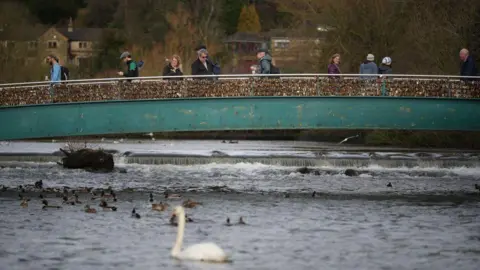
{"type": "Point", "coordinates": [352, 223]}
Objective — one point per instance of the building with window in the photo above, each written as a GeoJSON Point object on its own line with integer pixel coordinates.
{"type": "Point", "coordinates": [73, 46]}
{"type": "Point", "coordinates": [286, 47]}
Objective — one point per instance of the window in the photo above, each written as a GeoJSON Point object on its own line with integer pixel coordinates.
{"type": "Point", "coordinates": [83, 45]}
{"type": "Point", "coordinates": [281, 43]}
{"type": "Point", "coordinates": [52, 44]}
{"type": "Point", "coordinates": [32, 45]}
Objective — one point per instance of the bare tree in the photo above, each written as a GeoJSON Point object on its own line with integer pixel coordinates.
{"type": "Point", "coordinates": [420, 36]}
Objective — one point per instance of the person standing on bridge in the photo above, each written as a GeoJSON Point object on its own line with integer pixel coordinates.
{"type": "Point", "coordinates": [333, 67]}
{"type": "Point", "coordinates": [132, 68]}
{"type": "Point", "coordinates": [173, 68]}
{"type": "Point", "coordinates": [468, 67]}
{"type": "Point", "coordinates": [265, 62]}
{"type": "Point", "coordinates": [55, 69]}
{"type": "Point", "coordinates": [55, 74]}
{"type": "Point", "coordinates": [369, 67]}
{"type": "Point", "coordinates": [202, 66]}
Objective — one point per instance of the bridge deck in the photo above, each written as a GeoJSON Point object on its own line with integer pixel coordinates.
{"type": "Point", "coordinates": [307, 85]}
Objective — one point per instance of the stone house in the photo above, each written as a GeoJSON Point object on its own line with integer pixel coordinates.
{"type": "Point", "coordinates": [73, 46]}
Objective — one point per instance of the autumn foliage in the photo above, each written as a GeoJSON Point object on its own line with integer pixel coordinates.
{"type": "Point", "coordinates": [249, 20]}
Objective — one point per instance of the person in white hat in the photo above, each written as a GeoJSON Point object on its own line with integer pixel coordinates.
{"type": "Point", "coordinates": [386, 66]}
{"type": "Point", "coordinates": [369, 67]}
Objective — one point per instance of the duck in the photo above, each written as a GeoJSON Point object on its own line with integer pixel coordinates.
{"type": "Point", "coordinates": [477, 187]}
{"type": "Point", "coordinates": [24, 203]}
{"type": "Point", "coordinates": [105, 195]}
{"type": "Point", "coordinates": [241, 221]}
{"type": "Point", "coordinates": [39, 184]}
{"type": "Point", "coordinates": [313, 194]}
{"type": "Point", "coordinates": [66, 201]}
{"type": "Point", "coordinates": [159, 206]}
{"type": "Point", "coordinates": [227, 223]}
{"type": "Point", "coordinates": [21, 189]}
{"type": "Point", "coordinates": [389, 184]}
{"type": "Point", "coordinates": [45, 205]}
{"type": "Point", "coordinates": [135, 214]}
{"type": "Point", "coordinates": [173, 219]}
{"type": "Point", "coordinates": [94, 196]}
{"type": "Point", "coordinates": [172, 196]}
{"type": "Point", "coordinates": [88, 209]}
{"type": "Point", "coordinates": [4, 188]}
{"type": "Point", "coordinates": [85, 189]}
{"type": "Point", "coordinates": [151, 198]}
{"type": "Point", "coordinates": [105, 206]}
{"type": "Point", "coordinates": [76, 199]}
{"type": "Point", "coordinates": [190, 204]}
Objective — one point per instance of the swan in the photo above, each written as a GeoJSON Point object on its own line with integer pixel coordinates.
{"type": "Point", "coordinates": [206, 252]}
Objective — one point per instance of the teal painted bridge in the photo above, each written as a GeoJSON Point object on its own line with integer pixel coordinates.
{"type": "Point", "coordinates": [74, 111]}
{"type": "Point", "coordinates": [250, 113]}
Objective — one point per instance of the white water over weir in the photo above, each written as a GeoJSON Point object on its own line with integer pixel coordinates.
{"type": "Point", "coordinates": [278, 153]}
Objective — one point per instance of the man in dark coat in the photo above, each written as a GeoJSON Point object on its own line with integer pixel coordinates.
{"type": "Point", "coordinates": [468, 67]}
{"type": "Point", "coordinates": [201, 66]}
{"type": "Point", "coordinates": [216, 66]}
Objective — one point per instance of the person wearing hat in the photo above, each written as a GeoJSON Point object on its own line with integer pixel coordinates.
{"type": "Point", "coordinates": [369, 67]}
{"type": "Point", "coordinates": [386, 66]}
{"type": "Point", "coordinates": [132, 68]}
{"type": "Point", "coordinates": [264, 61]}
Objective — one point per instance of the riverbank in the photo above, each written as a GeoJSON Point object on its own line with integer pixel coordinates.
{"type": "Point", "coordinates": [420, 140]}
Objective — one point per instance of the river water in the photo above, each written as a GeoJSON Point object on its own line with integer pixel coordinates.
{"type": "Point", "coordinates": [428, 219]}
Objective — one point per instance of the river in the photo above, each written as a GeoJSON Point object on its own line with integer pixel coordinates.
{"type": "Point", "coordinates": [428, 219]}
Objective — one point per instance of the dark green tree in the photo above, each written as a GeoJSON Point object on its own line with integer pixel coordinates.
{"type": "Point", "coordinates": [100, 13]}
{"type": "Point", "coordinates": [230, 14]}
{"type": "Point", "coordinates": [109, 49]}
{"type": "Point", "coordinates": [54, 11]}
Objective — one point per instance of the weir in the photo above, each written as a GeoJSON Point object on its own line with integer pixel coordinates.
{"type": "Point", "coordinates": [238, 102]}
{"type": "Point", "coordinates": [342, 160]}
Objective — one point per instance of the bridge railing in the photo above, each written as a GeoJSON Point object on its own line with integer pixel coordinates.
{"type": "Point", "coordinates": [239, 85]}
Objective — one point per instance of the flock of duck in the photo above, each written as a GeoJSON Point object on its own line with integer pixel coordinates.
{"type": "Point", "coordinates": [206, 252]}
{"type": "Point", "coordinates": [70, 197]}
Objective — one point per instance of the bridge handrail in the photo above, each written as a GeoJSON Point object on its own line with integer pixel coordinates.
{"type": "Point", "coordinates": [247, 76]}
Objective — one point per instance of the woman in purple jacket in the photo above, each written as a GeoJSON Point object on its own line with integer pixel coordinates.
{"type": "Point", "coordinates": [333, 67]}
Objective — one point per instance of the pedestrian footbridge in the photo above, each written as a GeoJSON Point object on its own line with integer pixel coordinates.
{"type": "Point", "coordinates": [237, 102]}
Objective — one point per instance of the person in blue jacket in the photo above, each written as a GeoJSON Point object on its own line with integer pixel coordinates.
{"type": "Point", "coordinates": [55, 70]}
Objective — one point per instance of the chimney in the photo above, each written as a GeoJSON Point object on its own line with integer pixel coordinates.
{"type": "Point", "coordinates": [70, 25]}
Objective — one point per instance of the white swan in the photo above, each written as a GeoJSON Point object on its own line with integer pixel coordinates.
{"type": "Point", "coordinates": [207, 252]}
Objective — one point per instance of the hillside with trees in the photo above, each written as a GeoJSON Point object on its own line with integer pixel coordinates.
{"type": "Point", "coordinates": [420, 36]}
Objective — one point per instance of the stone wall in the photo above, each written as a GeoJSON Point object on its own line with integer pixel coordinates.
{"type": "Point", "coordinates": [236, 88]}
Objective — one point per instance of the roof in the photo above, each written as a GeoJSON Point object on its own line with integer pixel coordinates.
{"type": "Point", "coordinates": [82, 34]}
{"type": "Point", "coordinates": [247, 37]}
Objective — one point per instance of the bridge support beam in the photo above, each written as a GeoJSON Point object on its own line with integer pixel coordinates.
{"type": "Point", "coordinates": [242, 113]}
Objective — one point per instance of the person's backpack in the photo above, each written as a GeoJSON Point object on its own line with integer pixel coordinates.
{"type": "Point", "coordinates": [216, 69]}
{"type": "Point", "coordinates": [140, 64]}
{"type": "Point", "coordinates": [274, 69]}
{"type": "Point", "coordinates": [64, 73]}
